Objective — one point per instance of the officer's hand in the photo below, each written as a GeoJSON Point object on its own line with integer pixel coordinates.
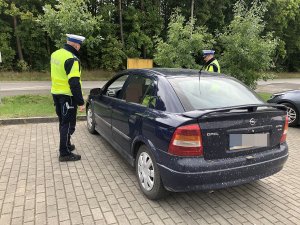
{"type": "Point", "coordinates": [82, 108]}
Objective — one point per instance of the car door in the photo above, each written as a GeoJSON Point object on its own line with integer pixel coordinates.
{"type": "Point", "coordinates": [127, 115]}
{"type": "Point", "coordinates": [103, 105]}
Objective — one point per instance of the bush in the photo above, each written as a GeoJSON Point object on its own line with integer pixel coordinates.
{"type": "Point", "coordinates": [247, 53]}
{"type": "Point", "coordinates": [22, 66]}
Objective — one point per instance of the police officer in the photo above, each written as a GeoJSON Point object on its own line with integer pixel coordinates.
{"type": "Point", "coordinates": [67, 93]}
{"type": "Point", "coordinates": [211, 64]}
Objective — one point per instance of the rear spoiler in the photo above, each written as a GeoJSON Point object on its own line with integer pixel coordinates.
{"type": "Point", "coordinates": [251, 108]}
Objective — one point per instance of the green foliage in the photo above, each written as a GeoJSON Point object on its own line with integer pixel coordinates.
{"type": "Point", "coordinates": [22, 66]}
{"type": "Point", "coordinates": [7, 52]}
{"type": "Point", "coordinates": [141, 26]}
{"type": "Point", "coordinates": [283, 18]}
{"type": "Point", "coordinates": [70, 16]}
{"type": "Point", "coordinates": [147, 30]}
{"type": "Point", "coordinates": [112, 54]}
{"type": "Point", "coordinates": [183, 41]}
{"type": "Point", "coordinates": [247, 52]}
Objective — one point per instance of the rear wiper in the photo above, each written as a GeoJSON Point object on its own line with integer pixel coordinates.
{"type": "Point", "coordinates": [250, 108]}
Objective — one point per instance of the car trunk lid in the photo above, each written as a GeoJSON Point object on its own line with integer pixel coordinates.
{"type": "Point", "coordinates": [240, 130]}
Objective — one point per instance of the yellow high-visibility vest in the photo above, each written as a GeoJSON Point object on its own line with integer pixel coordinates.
{"type": "Point", "coordinates": [210, 68]}
{"type": "Point", "coordinates": [59, 77]}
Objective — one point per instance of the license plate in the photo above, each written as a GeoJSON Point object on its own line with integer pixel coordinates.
{"type": "Point", "coordinates": [242, 141]}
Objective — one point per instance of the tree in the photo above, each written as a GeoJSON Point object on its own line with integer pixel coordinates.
{"type": "Point", "coordinates": [183, 42]}
{"type": "Point", "coordinates": [69, 16]}
{"type": "Point", "coordinates": [247, 53]}
{"type": "Point", "coordinates": [7, 53]}
{"type": "Point", "coordinates": [283, 18]}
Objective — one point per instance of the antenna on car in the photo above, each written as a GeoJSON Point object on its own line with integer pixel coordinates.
{"type": "Point", "coordinates": [199, 78]}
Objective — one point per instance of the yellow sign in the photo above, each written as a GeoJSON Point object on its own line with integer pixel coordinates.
{"type": "Point", "coordinates": [139, 63]}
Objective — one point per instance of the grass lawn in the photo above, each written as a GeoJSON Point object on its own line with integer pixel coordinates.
{"type": "Point", "coordinates": [285, 75]}
{"type": "Point", "coordinates": [23, 106]}
{"type": "Point", "coordinates": [28, 106]}
{"type": "Point", "coordinates": [92, 75]}
{"type": "Point", "coordinates": [265, 96]}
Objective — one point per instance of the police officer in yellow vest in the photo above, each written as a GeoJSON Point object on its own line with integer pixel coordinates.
{"type": "Point", "coordinates": [67, 93]}
{"type": "Point", "coordinates": [211, 64]}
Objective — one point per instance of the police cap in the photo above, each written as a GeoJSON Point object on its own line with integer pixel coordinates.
{"type": "Point", "coordinates": [208, 52]}
{"type": "Point", "coordinates": [75, 38]}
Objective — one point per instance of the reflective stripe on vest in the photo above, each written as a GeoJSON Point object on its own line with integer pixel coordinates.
{"type": "Point", "coordinates": [59, 77]}
{"type": "Point", "coordinates": [210, 67]}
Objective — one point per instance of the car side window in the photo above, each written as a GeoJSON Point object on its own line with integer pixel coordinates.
{"type": "Point", "coordinates": [149, 94]}
{"type": "Point", "coordinates": [140, 90]}
{"type": "Point", "coordinates": [115, 89]}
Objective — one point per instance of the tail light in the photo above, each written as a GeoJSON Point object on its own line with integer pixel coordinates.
{"type": "Point", "coordinates": [285, 130]}
{"type": "Point", "coordinates": [186, 141]}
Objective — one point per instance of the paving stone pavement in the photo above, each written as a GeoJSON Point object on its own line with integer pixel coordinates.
{"type": "Point", "coordinates": [102, 188]}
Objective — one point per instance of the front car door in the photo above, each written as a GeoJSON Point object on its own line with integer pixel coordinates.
{"type": "Point", "coordinates": [103, 105]}
{"type": "Point", "coordinates": [127, 115]}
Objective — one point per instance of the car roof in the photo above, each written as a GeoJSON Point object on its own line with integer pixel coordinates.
{"type": "Point", "coordinates": [171, 72]}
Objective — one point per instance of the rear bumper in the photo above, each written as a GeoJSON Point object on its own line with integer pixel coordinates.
{"type": "Point", "coordinates": [216, 174]}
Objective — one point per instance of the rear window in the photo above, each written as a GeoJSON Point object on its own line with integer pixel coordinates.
{"type": "Point", "coordinates": [211, 92]}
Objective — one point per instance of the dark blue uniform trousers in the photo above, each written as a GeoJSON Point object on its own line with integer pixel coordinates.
{"type": "Point", "coordinates": [66, 111]}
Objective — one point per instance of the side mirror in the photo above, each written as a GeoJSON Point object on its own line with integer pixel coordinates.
{"type": "Point", "coordinates": [95, 91]}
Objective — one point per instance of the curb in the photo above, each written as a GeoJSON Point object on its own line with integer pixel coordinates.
{"type": "Point", "coordinates": [14, 121]}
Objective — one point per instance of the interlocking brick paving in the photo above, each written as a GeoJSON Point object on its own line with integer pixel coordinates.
{"type": "Point", "coordinates": [102, 188]}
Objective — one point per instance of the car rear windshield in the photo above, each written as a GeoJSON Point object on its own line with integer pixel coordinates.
{"type": "Point", "coordinates": [212, 92]}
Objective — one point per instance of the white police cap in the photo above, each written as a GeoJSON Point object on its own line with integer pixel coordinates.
{"type": "Point", "coordinates": [208, 52]}
{"type": "Point", "coordinates": [75, 38]}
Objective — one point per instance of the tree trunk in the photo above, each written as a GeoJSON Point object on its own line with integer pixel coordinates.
{"type": "Point", "coordinates": [19, 47]}
{"type": "Point", "coordinates": [121, 22]}
{"type": "Point", "coordinates": [143, 46]}
{"type": "Point", "coordinates": [192, 15]}
{"type": "Point", "coordinates": [48, 45]}
{"type": "Point", "coordinates": [192, 9]}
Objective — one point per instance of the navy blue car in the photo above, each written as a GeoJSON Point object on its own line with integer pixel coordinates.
{"type": "Point", "coordinates": [185, 131]}
{"type": "Point", "coordinates": [291, 99]}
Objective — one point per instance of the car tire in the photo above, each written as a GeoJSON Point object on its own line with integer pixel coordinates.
{"type": "Point", "coordinates": [146, 168]}
{"type": "Point", "coordinates": [293, 114]}
{"type": "Point", "coordinates": [90, 119]}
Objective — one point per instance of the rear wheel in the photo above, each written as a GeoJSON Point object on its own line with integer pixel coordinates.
{"type": "Point", "coordinates": [148, 174]}
{"type": "Point", "coordinates": [90, 120]}
{"type": "Point", "coordinates": [292, 114]}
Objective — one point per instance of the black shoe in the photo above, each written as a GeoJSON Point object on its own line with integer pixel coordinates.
{"type": "Point", "coordinates": [71, 147]}
{"type": "Point", "coordinates": [71, 157]}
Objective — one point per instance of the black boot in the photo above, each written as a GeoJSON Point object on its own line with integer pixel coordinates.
{"type": "Point", "coordinates": [71, 157]}
{"type": "Point", "coordinates": [71, 147]}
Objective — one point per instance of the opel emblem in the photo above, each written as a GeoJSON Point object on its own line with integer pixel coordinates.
{"type": "Point", "coordinates": [252, 122]}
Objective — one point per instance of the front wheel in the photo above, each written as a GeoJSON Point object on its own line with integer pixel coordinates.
{"type": "Point", "coordinates": [90, 120]}
{"type": "Point", "coordinates": [292, 114]}
{"type": "Point", "coordinates": [148, 174]}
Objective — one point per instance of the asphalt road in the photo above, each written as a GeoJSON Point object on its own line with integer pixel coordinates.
{"type": "Point", "coordinates": [43, 87]}
{"type": "Point", "coordinates": [11, 88]}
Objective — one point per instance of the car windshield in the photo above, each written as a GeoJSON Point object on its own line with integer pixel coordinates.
{"type": "Point", "coordinates": [211, 92]}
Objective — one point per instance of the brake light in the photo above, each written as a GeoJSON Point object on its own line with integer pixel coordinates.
{"type": "Point", "coordinates": [186, 141]}
{"type": "Point", "coordinates": [285, 130]}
